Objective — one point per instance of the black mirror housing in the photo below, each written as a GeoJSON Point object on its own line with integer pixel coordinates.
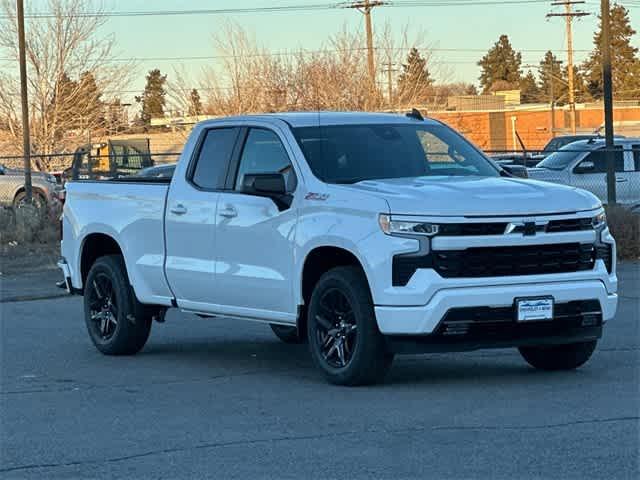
{"type": "Point", "coordinates": [516, 171]}
{"type": "Point", "coordinates": [264, 183]}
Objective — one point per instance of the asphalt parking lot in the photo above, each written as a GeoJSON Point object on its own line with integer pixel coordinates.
{"type": "Point", "coordinates": [220, 399]}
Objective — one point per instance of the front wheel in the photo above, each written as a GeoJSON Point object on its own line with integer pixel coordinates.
{"type": "Point", "coordinates": [343, 334]}
{"type": "Point", "coordinates": [117, 323]}
{"type": "Point", "coordinates": [559, 357]}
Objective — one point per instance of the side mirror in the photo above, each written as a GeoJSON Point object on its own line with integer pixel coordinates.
{"type": "Point", "coordinates": [516, 170]}
{"type": "Point", "coordinates": [585, 167]}
{"type": "Point", "coordinates": [264, 183]}
{"type": "Point", "coordinates": [270, 185]}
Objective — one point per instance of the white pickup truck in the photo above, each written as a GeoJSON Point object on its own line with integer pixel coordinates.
{"type": "Point", "coordinates": [367, 235]}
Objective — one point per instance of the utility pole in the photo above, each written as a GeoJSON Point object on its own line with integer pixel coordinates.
{"type": "Point", "coordinates": [569, 15]}
{"type": "Point", "coordinates": [365, 7]}
{"type": "Point", "coordinates": [553, 102]}
{"type": "Point", "coordinates": [389, 71]}
{"type": "Point", "coordinates": [608, 101]}
{"type": "Point", "coordinates": [26, 141]}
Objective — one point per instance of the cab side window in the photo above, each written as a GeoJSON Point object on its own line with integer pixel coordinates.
{"type": "Point", "coordinates": [213, 159]}
{"type": "Point", "coordinates": [264, 153]}
{"type": "Point", "coordinates": [635, 149]}
{"type": "Point", "coordinates": [599, 160]}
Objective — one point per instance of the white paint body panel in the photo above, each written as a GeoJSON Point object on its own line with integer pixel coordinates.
{"type": "Point", "coordinates": [251, 265]}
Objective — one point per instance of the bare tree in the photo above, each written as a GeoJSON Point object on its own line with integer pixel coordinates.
{"type": "Point", "coordinates": [71, 76]}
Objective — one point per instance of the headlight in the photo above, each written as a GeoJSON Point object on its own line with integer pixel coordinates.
{"type": "Point", "coordinates": [599, 220]}
{"type": "Point", "coordinates": [50, 178]}
{"type": "Point", "coordinates": [393, 226]}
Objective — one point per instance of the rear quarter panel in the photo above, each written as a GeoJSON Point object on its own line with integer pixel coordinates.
{"type": "Point", "coordinates": [130, 213]}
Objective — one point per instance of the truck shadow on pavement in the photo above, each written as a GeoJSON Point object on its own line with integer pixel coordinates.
{"type": "Point", "coordinates": [239, 357]}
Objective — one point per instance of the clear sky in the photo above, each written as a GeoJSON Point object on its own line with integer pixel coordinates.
{"type": "Point", "coordinates": [449, 27]}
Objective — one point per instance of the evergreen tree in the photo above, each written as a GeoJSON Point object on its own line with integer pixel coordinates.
{"type": "Point", "coordinates": [63, 103]}
{"type": "Point", "coordinates": [90, 105]}
{"type": "Point", "coordinates": [195, 104]}
{"type": "Point", "coordinates": [153, 98]}
{"type": "Point", "coordinates": [625, 62]}
{"type": "Point", "coordinates": [551, 71]}
{"type": "Point", "coordinates": [471, 90]}
{"type": "Point", "coordinates": [500, 64]}
{"type": "Point", "coordinates": [529, 91]}
{"type": "Point", "coordinates": [116, 117]}
{"type": "Point", "coordinates": [414, 83]}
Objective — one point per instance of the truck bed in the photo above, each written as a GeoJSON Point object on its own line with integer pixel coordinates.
{"type": "Point", "coordinates": [133, 212]}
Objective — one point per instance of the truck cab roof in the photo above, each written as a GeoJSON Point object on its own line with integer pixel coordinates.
{"type": "Point", "coordinates": [326, 118]}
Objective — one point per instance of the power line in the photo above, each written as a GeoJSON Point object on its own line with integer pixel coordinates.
{"type": "Point", "coordinates": [294, 53]}
{"type": "Point", "coordinates": [283, 8]}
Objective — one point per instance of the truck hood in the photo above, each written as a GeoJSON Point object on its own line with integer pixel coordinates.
{"type": "Point", "coordinates": [477, 196]}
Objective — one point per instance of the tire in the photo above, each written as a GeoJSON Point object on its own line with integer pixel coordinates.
{"type": "Point", "coordinates": [365, 358]}
{"type": "Point", "coordinates": [108, 296]}
{"type": "Point", "coordinates": [287, 334]}
{"type": "Point", "coordinates": [39, 201]}
{"type": "Point", "coordinates": [559, 357]}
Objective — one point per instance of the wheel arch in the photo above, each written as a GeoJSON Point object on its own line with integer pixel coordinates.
{"type": "Point", "coordinates": [94, 246]}
{"type": "Point", "coordinates": [318, 261]}
{"type": "Point", "coordinates": [36, 190]}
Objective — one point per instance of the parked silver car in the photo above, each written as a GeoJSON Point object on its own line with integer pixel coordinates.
{"type": "Point", "coordinates": [12, 194]}
{"type": "Point", "coordinates": [583, 164]}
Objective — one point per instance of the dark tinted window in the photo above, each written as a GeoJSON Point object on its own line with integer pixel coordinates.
{"type": "Point", "coordinates": [213, 159]}
{"type": "Point", "coordinates": [352, 153]}
{"type": "Point", "coordinates": [636, 156]}
{"type": "Point", "coordinates": [599, 158]}
{"type": "Point", "coordinates": [263, 152]}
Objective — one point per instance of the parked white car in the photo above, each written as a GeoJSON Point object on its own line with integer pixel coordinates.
{"type": "Point", "coordinates": [583, 164]}
{"type": "Point", "coordinates": [368, 235]}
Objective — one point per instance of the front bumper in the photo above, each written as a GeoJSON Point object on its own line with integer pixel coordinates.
{"type": "Point", "coordinates": [424, 319]}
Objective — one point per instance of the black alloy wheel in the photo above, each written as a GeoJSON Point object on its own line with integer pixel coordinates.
{"type": "Point", "coordinates": [344, 340]}
{"type": "Point", "coordinates": [103, 308]}
{"type": "Point", "coordinates": [337, 331]}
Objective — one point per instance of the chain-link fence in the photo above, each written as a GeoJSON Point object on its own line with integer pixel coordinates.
{"type": "Point", "coordinates": [62, 167]}
{"type": "Point", "coordinates": [583, 166]}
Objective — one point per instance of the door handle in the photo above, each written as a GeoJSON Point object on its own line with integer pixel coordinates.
{"type": "Point", "coordinates": [621, 180]}
{"type": "Point", "coordinates": [179, 209]}
{"type": "Point", "coordinates": [228, 212]}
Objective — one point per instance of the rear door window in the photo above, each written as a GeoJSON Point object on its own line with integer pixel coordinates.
{"type": "Point", "coordinates": [599, 158]}
{"type": "Point", "coordinates": [210, 170]}
{"type": "Point", "coordinates": [636, 156]}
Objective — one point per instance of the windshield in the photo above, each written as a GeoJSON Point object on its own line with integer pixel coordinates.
{"type": "Point", "coordinates": [352, 153]}
{"type": "Point", "coordinates": [560, 159]}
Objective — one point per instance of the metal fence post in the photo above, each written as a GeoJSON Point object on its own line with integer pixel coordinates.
{"type": "Point", "coordinates": [608, 102]}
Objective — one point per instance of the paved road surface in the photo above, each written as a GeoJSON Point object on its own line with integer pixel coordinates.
{"type": "Point", "coordinates": [219, 399]}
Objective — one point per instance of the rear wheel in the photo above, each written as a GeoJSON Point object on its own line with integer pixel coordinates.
{"type": "Point", "coordinates": [343, 334]}
{"type": "Point", "coordinates": [116, 322]}
{"type": "Point", "coordinates": [559, 357]}
{"type": "Point", "coordinates": [286, 334]}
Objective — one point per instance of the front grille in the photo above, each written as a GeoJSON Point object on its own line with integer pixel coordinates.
{"type": "Point", "coordinates": [569, 225]}
{"type": "Point", "coordinates": [472, 229]}
{"type": "Point", "coordinates": [498, 261]}
{"type": "Point", "coordinates": [488, 322]}
{"type": "Point", "coordinates": [499, 228]}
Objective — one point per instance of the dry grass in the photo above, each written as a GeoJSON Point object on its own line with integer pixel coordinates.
{"type": "Point", "coordinates": [625, 228]}
{"type": "Point", "coordinates": [26, 226]}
